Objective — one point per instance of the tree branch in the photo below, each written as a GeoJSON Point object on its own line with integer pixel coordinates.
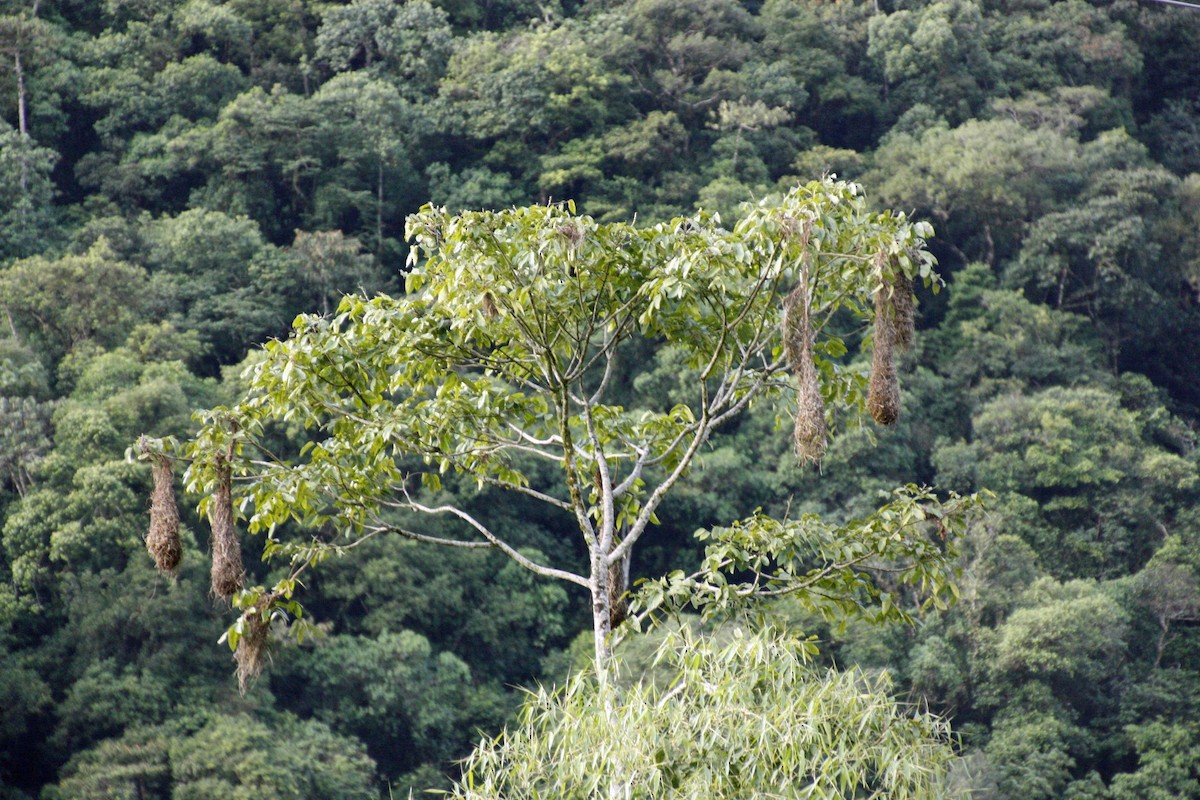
{"type": "Point", "coordinates": [504, 547]}
{"type": "Point", "coordinates": [525, 490]}
{"type": "Point", "coordinates": [423, 537]}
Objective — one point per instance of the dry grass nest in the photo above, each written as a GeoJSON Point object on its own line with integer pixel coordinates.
{"type": "Point", "coordinates": [903, 308]}
{"type": "Point", "coordinates": [489, 306]}
{"type": "Point", "coordinates": [883, 395]}
{"type": "Point", "coordinates": [572, 232]}
{"type": "Point", "coordinates": [162, 540]}
{"type": "Point", "coordinates": [810, 432]}
{"type": "Point", "coordinates": [228, 575]}
{"type": "Point", "coordinates": [252, 651]}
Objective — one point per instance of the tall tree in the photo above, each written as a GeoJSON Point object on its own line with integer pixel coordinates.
{"type": "Point", "coordinates": [23, 37]}
{"type": "Point", "coordinates": [65, 302]}
{"type": "Point", "coordinates": [26, 194]}
{"type": "Point", "coordinates": [504, 355]}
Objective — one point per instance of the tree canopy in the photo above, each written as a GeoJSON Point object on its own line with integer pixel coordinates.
{"type": "Point", "coordinates": [505, 352]}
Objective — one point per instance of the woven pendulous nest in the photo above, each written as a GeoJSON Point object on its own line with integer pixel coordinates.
{"type": "Point", "coordinates": [227, 572]}
{"type": "Point", "coordinates": [162, 540]}
{"type": "Point", "coordinates": [489, 306]}
{"type": "Point", "coordinates": [251, 653]}
{"type": "Point", "coordinates": [572, 232]}
{"type": "Point", "coordinates": [903, 310]}
{"type": "Point", "coordinates": [883, 395]}
{"type": "Point", "coordinates": [810, 431]}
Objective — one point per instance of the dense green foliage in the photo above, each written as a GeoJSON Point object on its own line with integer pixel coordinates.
{"type": "Point", "coordinates": [748, 718]}
{"type": "Point", "coordinates": [180, 179]}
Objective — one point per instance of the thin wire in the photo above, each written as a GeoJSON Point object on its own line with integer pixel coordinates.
{"type": "Point", "coordinates": [1176, 3]}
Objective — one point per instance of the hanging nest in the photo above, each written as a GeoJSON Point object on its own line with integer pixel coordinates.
{"type": "Point", "coordinates": [903, 307]}
{"type": "Point", "coordinates": [227, 572]}
{"type": "Point", "coordinates": [489, 306]}
{"type": "Point", "coordinates": [572, 232]}
{"type": "Point", "coordinates": [162, 540]}
{"type": "Point", "coordinates": [810, 432]}
{"type": "Point", "coordinates": [883, 395]}
{"type": "Point", "coordinates": [251, 654]}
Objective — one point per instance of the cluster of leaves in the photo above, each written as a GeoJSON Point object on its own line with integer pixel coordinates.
{"type": "Point", "coordinates": [828, 567]}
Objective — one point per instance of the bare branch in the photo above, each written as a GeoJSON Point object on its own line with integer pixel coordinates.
{"type": "Point", "coordinates": [604, 379]}
{"type": "Point", "coordinates": [635, 473]}
{"type": "Point", "coordinates": [525, 490]}
{"type": "Point", "coordinates": [550, 456]}
{"type": "Point", "coordinates": [526, 437]}
{"type": "Point", "coordinates": [699, 434]}
{"type": "Point", "coordinates": [504, 547]}
{"type": "Point", "coordinates": [656, 497]}
{"type": "Point", "coordinates": [423, 537]}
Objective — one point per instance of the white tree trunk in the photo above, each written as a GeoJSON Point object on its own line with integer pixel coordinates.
{"type": "Point", "coordinates": [601, 612]}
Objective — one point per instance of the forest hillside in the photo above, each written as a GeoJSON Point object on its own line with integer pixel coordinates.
{"type": "Point", "coordinates": [179, 179]}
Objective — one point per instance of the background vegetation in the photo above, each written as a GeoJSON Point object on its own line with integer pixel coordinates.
{"type": "Point", "coordinates": [179, 179]}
